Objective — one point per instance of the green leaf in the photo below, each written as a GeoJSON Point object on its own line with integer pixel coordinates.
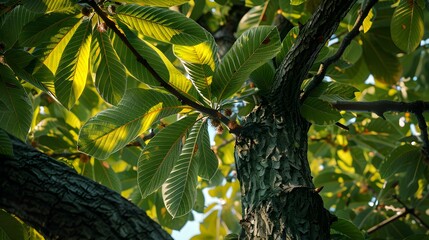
{"type": "Point", "coordinates": [263, 14]}
{"type": "Point", "coordinates": [13, 23]}
{"type": "Point", "coordinates": [207, 160]}
{"type": "Point", "coordinates": [407, 26]}
{"type": "Point", "coordinates": [347, 229]}
{"type": "Point", "coordinates": [156, 59]}
{"type": "Point", "coordinates": [402, 159]}
{"type": "Point", "coordinates": [73, 67]}
{"type": "Point", "coordinates": [164, 217]}
{"type": "Point", "coordinates": [161, 24]}
{"type": "Point", "coordinates": [263, 77]}
{"type": "Point", "coordinates": [296, 2]}
{"type": "Point", "coordinates": [180, 190]}
{"type": "Point", "coordinates": [30, 69]}
{"type": "Point", "coordinates": [48, 5]}
{"type": "Point", "coordinates": [352, 53]}
{"type": "Point", "coordinates": [6, 147]}
{"type": "Point", "coordinates": [159, 156]}
{"type": "Point", "coordinates": [112, 129]}
{"type": "Point", "coordinates": [11, 227]}
{"type": "Point", "coordinates": [319, 112]}
{"type": "Point", "coordinates": [16, 109]}
{"type": "Point", "coordinates": [287, 43]}
{"type": "Point", "coordinates": [251, 50]}
{"type": "Point", "coordinates": [380, 56]}
{"type": "Point", "coordinates": [101, 172]}
{"type": "Point", "coordinates": [51, 51]}
{"type": "Point", "coordinates": [200, 62]}
{"type": "Point", "coordinates": [158, 3]}
{"type": "Point", "coordinates": [110, 77]}
{"type": "Point", "coordinates": [43, 28]}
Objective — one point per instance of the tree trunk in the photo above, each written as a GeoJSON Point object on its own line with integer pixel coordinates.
{"type": "Point", "coordinates": [278, 197]}
{"type": "Point", "coordinates": [61, 204]}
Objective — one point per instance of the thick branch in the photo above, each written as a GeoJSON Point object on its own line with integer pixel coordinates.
{"type": "Point", "coordinates": [317, 79]}
{"type": "Point", "coordinates": [300, 58]}
{"type": "Point", "coordinates": [380, 107]}
{"type": "Point", "coordinates": [61, 204]}
{"type": "Point", "coordinates": [183, 99]}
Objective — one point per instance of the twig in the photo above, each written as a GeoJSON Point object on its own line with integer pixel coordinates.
{"type": "Point", "coordinates": [387, 221]}
{"type": "Point", "coordinates": [382, 106]}
{"type": "Point", "coordinates": [317, 79]}
{"type": "Point", "coordinates": [411, 211]}
{"type": "Point", "coordinates": [183, 99]}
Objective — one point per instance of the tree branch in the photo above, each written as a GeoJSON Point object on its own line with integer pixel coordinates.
{"type": "Point", "coordinates": [318, 78]}
{"type": "Point", "coordinates": [312, 37]}
{"type": "Point", "coordinates": [382, 106]}
{"type": "Point", "coordinates": [183, 99]}
{"type": "Point", "coordinates": [61, 204]}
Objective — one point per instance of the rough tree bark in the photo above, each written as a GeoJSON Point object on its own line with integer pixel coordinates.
{"type": "Point", "coordinates": [278, 197]}
{"type": "Point", "coordinates": [61, 204]}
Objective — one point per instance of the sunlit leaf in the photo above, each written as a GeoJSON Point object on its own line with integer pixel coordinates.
{"type": "Point", "coordinates": [48, 5]}
{"type": "Point", "coordinates": [164, 217]}
{"type": "Point", "coordinates": [200, 62]}
{"type": "Point", "coordinates": [51, 51]}
{"type": "Point", "coordinates": [43, 28]}
{"type": "Point", "coordinates": [262, 14]}
{"type": "Point", "coordinates": [179, 191]}
{"type": "Point", "coordinates": [159, 3]}
{"type": "Point", "coordinates": [161, 24]}
{"type": "Point", "coordinates": [160, 154]}
{"type": "Point", "coordinates": [111, 129]}
{"type": "Point", "coordinates": [407, 26]}
{"type": "Point", "coordinates": [70, 79]}
{"type": "Point", "coordinates": [249, 52]}
{"type": "Point", "coordinates": [16, 109]}
{"type": "Point", "coordinates": [156, 59]}
{"type": "Point", "coordinates": [109, 73]}
{"type": "Point", "coordinates": [207, 160]}
{"type": "Point", "coordinates": [30, 69]}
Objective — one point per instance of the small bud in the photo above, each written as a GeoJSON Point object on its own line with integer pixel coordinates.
{"type": "Point", "coordinates": [102, 27]}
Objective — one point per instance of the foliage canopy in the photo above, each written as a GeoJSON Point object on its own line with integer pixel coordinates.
{"type": "Point", "coordinates": [74, 89]}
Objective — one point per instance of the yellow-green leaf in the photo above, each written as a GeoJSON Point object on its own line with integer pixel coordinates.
{"type": "Point", "coordinates": [112, 129]}
{"type": "Point", "coordinates": [160, 154]}
{"type": "Point", "coordinates": [73, 67]}
{"type": "Point", "coordinates": [16, 109]}
{"type": "Point", "coordinates": [407, 27]}
{"type": "Point", "coordinates": [200, 62]}
{"type": "Point", "coordinates": [161, 24]}
{"type": "Point", "coordinates": [109, 74]}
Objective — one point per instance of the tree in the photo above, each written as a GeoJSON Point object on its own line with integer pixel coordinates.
{"type": "Point", "coordinates": [322, 103]}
